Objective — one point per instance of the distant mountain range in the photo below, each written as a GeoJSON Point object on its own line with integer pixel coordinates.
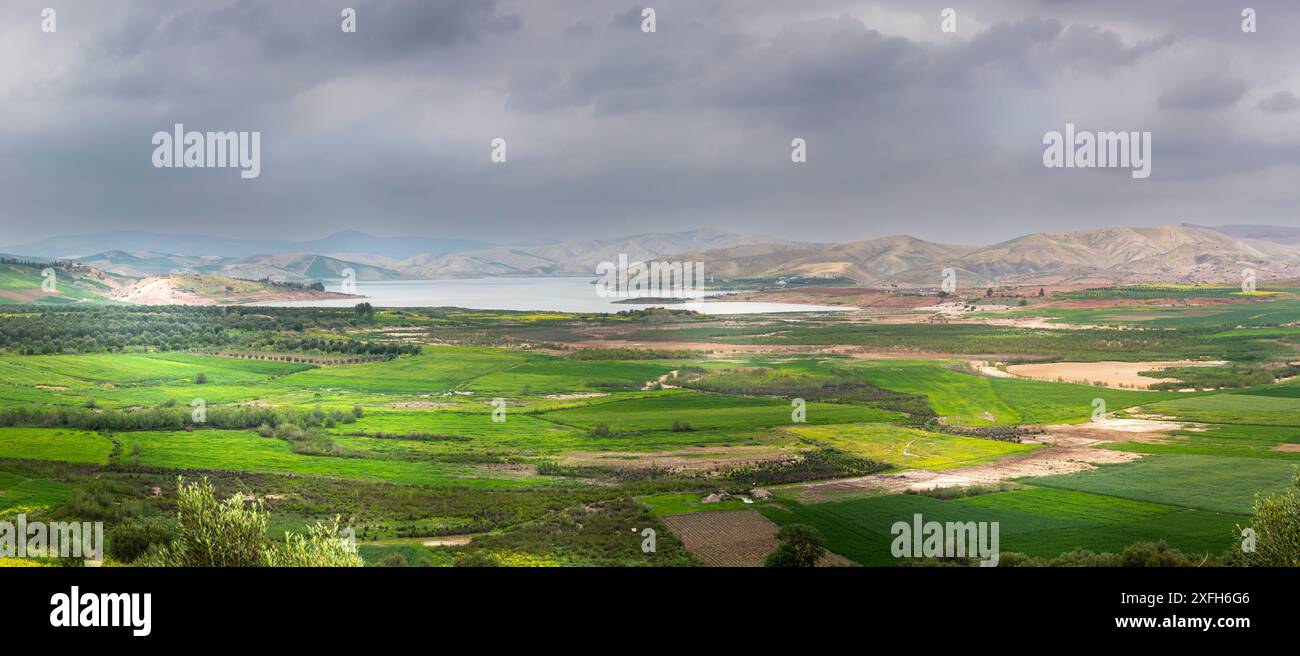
{"type": "Point", "coordinates": [1173, 254]}
{"type": "Point", "coordinates": [1276, 234]}
{"type": "Point", "coordinates": [574, 258]}
{"type": "Point", "coordinates": [1170, 254]}
{"type": "Point", "coordinates": [281, 267]}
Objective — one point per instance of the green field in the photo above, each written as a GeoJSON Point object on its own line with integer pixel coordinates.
{"type": "Point", "coordinates": [908, 447]}
{"type": "Point", "coordinates": [19, 495]}
{"type": "Point", "coordinates": [54, 444]}
{"type": "Point", "coordinates": [979, 401]}
{"type": "Point", "coordinates": [467, 424]}
{"type": "Point", "coordinates": [1037, 522]}
{"type": "Point", "coordinates": [1210, 483]}
{"type": "Point", "coordinates": [707, 412]}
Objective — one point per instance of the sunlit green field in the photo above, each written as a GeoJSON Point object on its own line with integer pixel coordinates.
{"type": "Point", "coordinates": [25, 495]}
{"type": "Point", "coordinates": [1037, 522]}
{"type": "Point", "coordinates": [909, 448]}
{"type": "Point", "coordinates": [708, 412]}
{"type": "Point", "coordinates": [1210, 483]}
{"type": "Point", "coordinates": [57, 444]}
{"type": "Point", "coordinates": [978, 401]}
{"type": "Point", "coordinates": [246, 451]}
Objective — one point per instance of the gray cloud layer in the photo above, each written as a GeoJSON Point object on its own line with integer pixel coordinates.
{"type": "Point", "coordinates": [612, 131]}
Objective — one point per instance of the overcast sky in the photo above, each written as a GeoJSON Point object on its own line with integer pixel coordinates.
{"type": "Point", "coordinates": [612, 131]}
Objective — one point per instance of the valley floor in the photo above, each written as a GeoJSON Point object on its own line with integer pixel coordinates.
{"type": "Point", "coordinates": [526, 439]}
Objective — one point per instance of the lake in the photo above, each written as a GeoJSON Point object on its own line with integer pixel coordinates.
{"type": "Point", "coordinates": [559, 294]}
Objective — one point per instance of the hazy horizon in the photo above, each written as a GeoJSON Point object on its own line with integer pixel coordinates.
{"type": "Point", "coordinates": [307, 238]}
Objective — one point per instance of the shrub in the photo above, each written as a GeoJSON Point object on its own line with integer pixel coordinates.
{"type": "Point", "coordinates": [477, 559]}
{"type": "Point", "coordinates": [801, 546]}
{"type": "Point", "coordinates": [133, 538]}
{"type": "Point", "coordinates": [96, 501]}
{"type": "Point", "coordinates": [212, 533]}
{"type": "Point", "coordinates": [324, 545]}
{"type": "Point", "coordinates": [231, 534]}
{"type": "Point", "coordinates": [392, 560]}
{"type": "Point", "coordinates": [1277, 530]}
{"type": "Point", "coordinates": [550, 468]}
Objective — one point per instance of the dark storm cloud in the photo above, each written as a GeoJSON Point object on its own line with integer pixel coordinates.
{"type": "Point", "coordinates": [613, 131]}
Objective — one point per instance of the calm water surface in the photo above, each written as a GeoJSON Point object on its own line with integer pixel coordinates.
{"type": "Point", "coordinates": [560, 294]}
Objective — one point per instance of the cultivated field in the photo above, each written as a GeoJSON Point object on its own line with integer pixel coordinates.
{"type": "Point", "coordinates": [515, 438]}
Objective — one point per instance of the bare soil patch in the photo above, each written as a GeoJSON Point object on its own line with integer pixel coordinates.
{"type": "Point", "coordinates": [986, 368]}
{"type": "Point", "coordinates": [1106, 374]}
{"type": "Point", "coordinates": [420, 405]}
{"type": "Point", "coordinates": [1064, 454]}
{"type": "Point", "coordinates": [733, 538]}
{"type": "Point", "coordinates": [1154, 431]}
{"type": "Point", "coordinates": [576, 395]}
{"type": "Point", "coordinates": [168, 290]}
{"type": "Point", "coordinates": [458, 541]}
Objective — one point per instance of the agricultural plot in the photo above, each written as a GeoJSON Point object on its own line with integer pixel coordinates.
{"type": "Point", "coordinates": [519, 432]}
{"type": "Point", "coordinates": [143, 369]}
{"type": "Point", "coordinates": [1234, 408]}
{"type": "Point", "coordinates": [1209, 483]}
{"type": "Point", "coordinates": [19, 495]}
{"type": "Point", "coordinates": [551, 375]}
{"type": "Point", "coordinates": [54, 444]}
{"type": "Point", "coordinates": [980, 401]}
{"type": "Point", "coordinates": [682, 504]}
{"type": "Point", "coordinates": [121, 380]}
{"type": "Point", "coordinates": [731, 538]}
{"type": "Point", "coordinates": [437, 370]}
{"type": "Point", "coordinates": [1041, 523]}
{"type": "Point", "coordinates": [1230, 440]}
{"type": "Point", "coordinates": [246, 451]}
{"type": "Point", "coordinates": [708, 412]}
{"type": "Point", "coordinates": [908, 447]}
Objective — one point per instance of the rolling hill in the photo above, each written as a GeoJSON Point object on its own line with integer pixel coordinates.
{"type": "Point", "coordinates": [1275, 234]}
{"type": "Point", "coordinates": [282, 267]}
{"type": "Point", "coordinates": [1170, 254]}
{"type": "Point", "coordinates": [197, 289]}
{"type": "Point", "coordinates": [573, 258]}
{"type": "Point", "coordinates": [21, 282]}
{"type": "Point", "coordinates": [1121, 255]}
